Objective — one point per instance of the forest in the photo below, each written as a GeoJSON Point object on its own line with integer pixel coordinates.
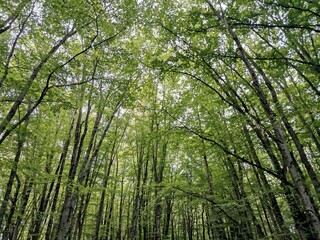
{"type": "Point", "coordinates": [160, 120]}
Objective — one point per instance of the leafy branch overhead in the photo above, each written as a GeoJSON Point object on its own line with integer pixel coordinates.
{"type": "Point", "coordinates": [159, 119]}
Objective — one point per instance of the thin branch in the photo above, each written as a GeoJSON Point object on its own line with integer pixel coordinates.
{"type": "Point", "coordinates": [228, 152]}
{"type": "Point", "coordinates": [47, 87]}
{"type": "Point", "coordinates": [6, 67]}
{"type": "Point", "coordinates": [197, 195]}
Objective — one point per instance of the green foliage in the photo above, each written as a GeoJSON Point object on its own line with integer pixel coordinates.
{"type": "Point", "coordinates": [159, 119]}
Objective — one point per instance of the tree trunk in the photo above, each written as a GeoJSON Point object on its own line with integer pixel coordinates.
{"type": "Point", "coordinates": [282, 145]}
{"type": "Point", "coordinates": [36, 70]}
{"type": "Point", "coordinates": [24, 201]}
{"type": "Point", "coordinates": [137, 197]}
{"type": "Point", "coordinates": [50, 232]}
{"type": "Point", "coordinates": [69, 203]}
{"type": "Point", "coordinates": [103, 194]}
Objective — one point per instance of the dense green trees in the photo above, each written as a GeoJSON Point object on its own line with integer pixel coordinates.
{"type": "Point", "coordinates": [159, 119]}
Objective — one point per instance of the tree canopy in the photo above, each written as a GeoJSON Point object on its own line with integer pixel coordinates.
{"type": "Point", "coordinates": [159, 119]}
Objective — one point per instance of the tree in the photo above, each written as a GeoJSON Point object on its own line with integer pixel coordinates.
{"type": "Point", "coordinates": [159, 120]}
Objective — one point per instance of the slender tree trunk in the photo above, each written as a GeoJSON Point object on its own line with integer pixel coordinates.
{"type": "Point", "coordinates": [109, 225]}
{"type": "Point", "coordinates": [103, 194]}
{"type": "Point", "coordinates": [217, 230]}
{"type": "Point", "coordinates": [10, 183]}
{"type": "Point", "coordinates": [40, 216]}
{"type": "Point", "coordinates": [9, 224]}
{"type": "Point", "coordinates": [13, 47]}
{"type": "Point", "coordinates": [50, 232]}
{"type": "Point", "coordinates": [137, 198]}
{"type": "Point", "coordinates": [36, 70]}
{"type": "Point", "coordinates": [280, 225]}
{"type": "Point", "coordinates": [24, 201]}
{"type": "Point", "coordinates": [282, 145]}
{"type": "Point", "coordinates": [121, 209]}
{"type": "Point", "coordinates": [69, 204]}
{"type": "Point", "coordinates": [13, 174]}
{"type": "Point", "coordinates": [168, 213]}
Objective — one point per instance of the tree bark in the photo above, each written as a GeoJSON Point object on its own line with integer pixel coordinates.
{"type": "Point", "coordinates": [36, 70]}
{"type": "Point", "coordinates": [281, 143]}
